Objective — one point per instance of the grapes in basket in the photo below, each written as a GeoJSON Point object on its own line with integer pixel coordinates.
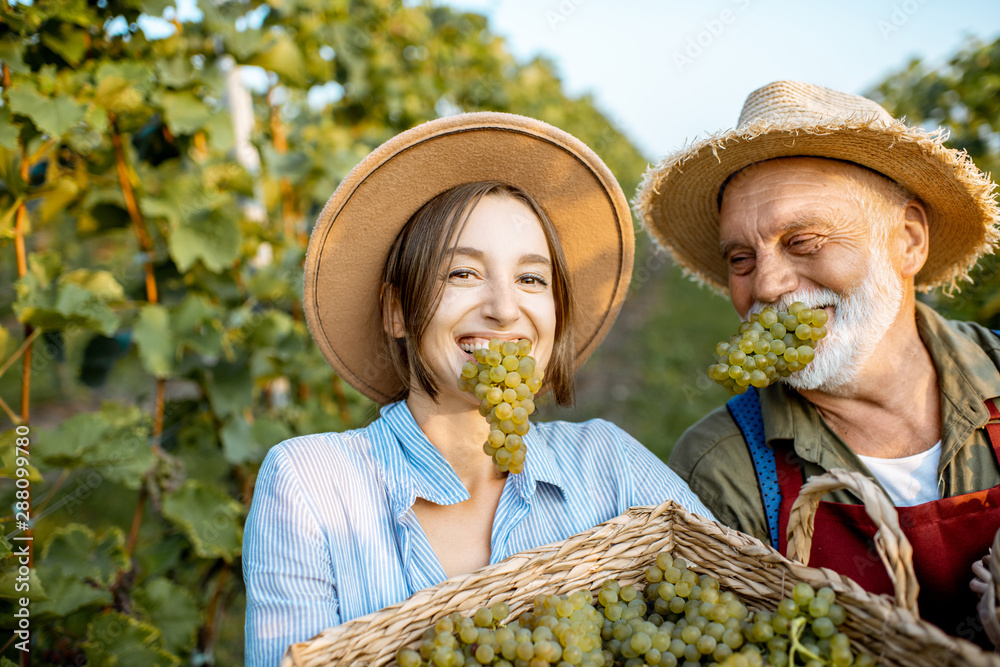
{"type": "Point", "coordinates": [677, 618]}
{"type": "Point", "coordinates": [771, 345]}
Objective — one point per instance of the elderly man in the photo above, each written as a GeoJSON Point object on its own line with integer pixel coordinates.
{"type": "Point", "coordinates": [824, 198]}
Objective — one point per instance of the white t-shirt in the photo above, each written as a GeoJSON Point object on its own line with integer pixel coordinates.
{"type": "Point", "coordinates": [910, 480]}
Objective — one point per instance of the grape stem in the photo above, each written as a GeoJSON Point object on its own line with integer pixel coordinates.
{"type": "Point", "coordinates": [796, 628]}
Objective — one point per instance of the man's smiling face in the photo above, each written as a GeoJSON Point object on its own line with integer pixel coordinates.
{"type": "Point", "coordinates": [796, 229]}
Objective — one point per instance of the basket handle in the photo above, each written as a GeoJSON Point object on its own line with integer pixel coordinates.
{"type": "Point", "coordinates": [893, 547]}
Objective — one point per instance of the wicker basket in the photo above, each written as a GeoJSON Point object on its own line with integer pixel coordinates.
{"type": "Point", "coordinates": [622, 548]}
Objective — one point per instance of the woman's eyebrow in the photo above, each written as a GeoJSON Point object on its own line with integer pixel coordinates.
{"type": "Point", "coordinates": [474, 253]}
{"type": "Point", "coordinates": [532, 258]}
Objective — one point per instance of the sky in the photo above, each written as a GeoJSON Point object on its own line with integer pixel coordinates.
{"type": "Point", "coordinates": [666, 71]}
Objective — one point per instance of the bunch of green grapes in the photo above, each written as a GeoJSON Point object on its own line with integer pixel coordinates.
{"type": "Point", "coordinates": [560, 630]}
{"type": "Point", "coordinates": [677, 619]}
{"type": "Point", "coordinates": [804, 631]}
{"type": "Point", "coordinates": [505, 379]}
{"type": "Point", "coordinates": [682, 618]}
{"type": "Point", "coordinates": [772, 345]}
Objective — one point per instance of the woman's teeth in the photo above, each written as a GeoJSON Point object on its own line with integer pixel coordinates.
{"type": "Point", "coordinates": [472, 347]}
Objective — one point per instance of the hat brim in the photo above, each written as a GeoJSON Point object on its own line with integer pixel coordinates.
{"type": "Point", "coordinates": [678, 198]}
{"type": "Point", "coordinates": [360, 222]}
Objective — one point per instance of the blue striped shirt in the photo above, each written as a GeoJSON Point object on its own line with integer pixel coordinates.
{"type": "Point", "coordinates": [332, 535]}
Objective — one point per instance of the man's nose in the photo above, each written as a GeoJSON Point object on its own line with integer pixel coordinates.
{"type": "Point", "coordinates": [774, 276]}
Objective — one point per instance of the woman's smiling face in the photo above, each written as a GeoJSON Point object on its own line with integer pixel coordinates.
{"type": "Point", "coordinates": [497, 284]}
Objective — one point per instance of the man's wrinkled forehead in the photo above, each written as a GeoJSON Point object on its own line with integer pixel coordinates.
{"type": "Point", "coordinates": [834, 165]}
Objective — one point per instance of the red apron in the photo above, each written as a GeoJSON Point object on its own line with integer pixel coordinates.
{"type": "Point", "coordinates": [947, 535]}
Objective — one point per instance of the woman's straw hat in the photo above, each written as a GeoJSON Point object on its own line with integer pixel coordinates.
{"type": "Point", "coordinates": [678, 200]}
{"type": "Point", "coordinates": [352, 238]}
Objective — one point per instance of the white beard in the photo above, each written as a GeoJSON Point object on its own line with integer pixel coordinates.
{"type": "Point", "coordinates": [861, 318]}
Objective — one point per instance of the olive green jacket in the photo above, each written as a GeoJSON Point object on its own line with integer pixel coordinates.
{"type": "Point", "coordinates": [713, 458]}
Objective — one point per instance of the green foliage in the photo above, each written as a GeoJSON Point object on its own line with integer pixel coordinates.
{"type": "Point", "coordinates": [963, 97]}
{"type": "Point", "coordinates": [79, 298]}
{"type": "Point", "coordinates": [119, 151]}
{"type": "Point", "coordinates": [117, 640]}
{"type": "Point", "coordinates": [210, 518]}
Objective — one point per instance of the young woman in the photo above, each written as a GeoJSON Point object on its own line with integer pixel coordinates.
{"type": "Point", "coordinates": [458, 231]}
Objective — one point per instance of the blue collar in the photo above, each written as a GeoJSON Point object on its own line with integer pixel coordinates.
{"type": "Point", "coordinates": [413, 466]}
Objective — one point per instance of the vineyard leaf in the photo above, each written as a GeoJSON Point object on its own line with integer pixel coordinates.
{"type": "Point", "coordinates": [238, 445]}
{"type": "Point", "coordinates": [80, 297]}
{"type": "Point", "coordinates": [117, 95]}
{"type": "Point", "coordinates": [155, 341]}
{"type": "Point", "coordinates": [70, 43]}
{"type": "Point", "coordinates": [8, 131]}
{"type": "Point", "coordinates": [97, 120]}
{"type": "Point", "coordinates": [184, 112]}
{"type": "Point", "coordinates": [197, 325]}
{"type": "Point", "coordinates": [8, 459]}
{"type": "Point", "coordinates": [114, 441]}
{"type": "Point", "coordinates": [9, 585]}
{"type": "Point", "coordinates": [58, 197]}
{"type": "Point", "coordinates": [243, 442]}
{"type": "Point", "coordinates": [229, 388]}
{"type": "Point", "coordinates": [4, 546]}
{"type": "Point", "coordinates": [243, 45]}
{"type": "Point", "coordinates": [176, 72]}
{"type": "Point", "coordinates": [79, 304]}
{"type": "Point", "coordinates": [11, 53]}
{"type": "Point", "coordinates": [209, 518]}
{"type": "Point", "coordinates": [102, 283]}
{"type": "Point", "coordinates": [53, 116]}
{"type": "Point", "coordinates": [294, 165]}
{"type": "Point", "coordinates": [267, 433]}
{"type": "Point", "coordinates": [221, 138]}
{"type": "Point", "coordinates": [76, 552]}
{"type": "Point", "coordinates": [66, 595]}
{"type": "Point", "coordinates": [172, 609]}
{"type": "Point", "coordinates": [211, 236]}
{"type": "Point", "coordinates": [117, 640]}
{"type": "Point", "coordinates": [274, 327]}
{"type": "Point", "coordinates": [67, 444]}
{"type": "Point", "coordinates": [284, 58]}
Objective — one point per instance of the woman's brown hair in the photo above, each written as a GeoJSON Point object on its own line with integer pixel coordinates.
{"type": "Point", "coordinates": [411, 282]}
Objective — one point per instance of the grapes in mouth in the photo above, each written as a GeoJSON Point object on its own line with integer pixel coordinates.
{"type": "Point", "coordinates": [505, 378]}
{"type": "Point", "coordinates": [771, 345]}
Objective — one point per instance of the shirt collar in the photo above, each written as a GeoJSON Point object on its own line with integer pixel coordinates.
{"type": "Point", "coordinates": [413, 466]}
{"type": "Point", "coordinates": [539, 466]}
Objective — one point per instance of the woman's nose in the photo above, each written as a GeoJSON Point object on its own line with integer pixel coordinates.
{"type": "Point", "coordinates": [501, 304]}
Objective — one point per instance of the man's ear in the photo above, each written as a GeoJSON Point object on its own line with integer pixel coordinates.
{"type": "Point", "coordinates": [914, 238]}
{"type": "Point", "coordinates": [392, 314]}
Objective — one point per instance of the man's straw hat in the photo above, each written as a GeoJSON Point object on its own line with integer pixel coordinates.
{"type": "Point", "coordinates": [678, 200]}
{"type": "Point", "coordinates": [352, 238]}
